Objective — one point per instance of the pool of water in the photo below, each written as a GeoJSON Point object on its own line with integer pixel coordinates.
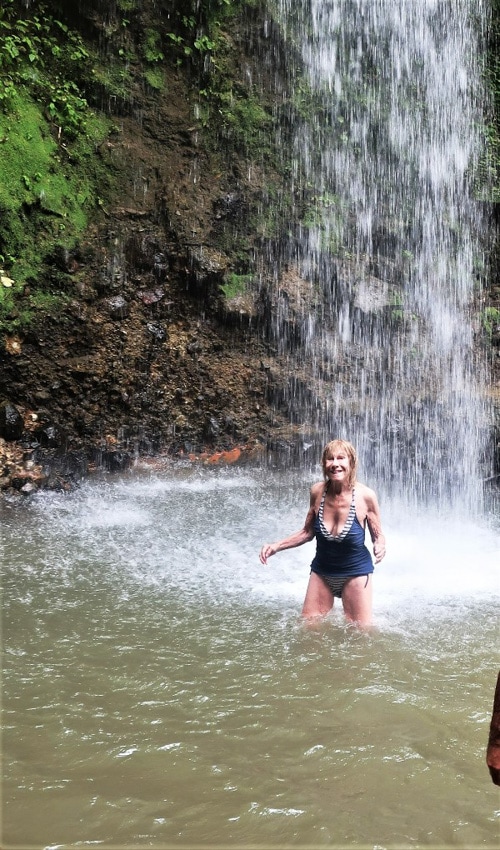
{"type": "Point", "coordinates": [160, 690]}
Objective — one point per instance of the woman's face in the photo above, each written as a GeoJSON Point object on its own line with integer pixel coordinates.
{"type": "Point", "coordinates": [337, 465]}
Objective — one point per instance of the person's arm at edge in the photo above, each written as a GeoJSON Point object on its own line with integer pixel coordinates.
{"type": "Point", "coordinates": [493, 749]}
{"type": "Point", "coordinates": [305, 534]}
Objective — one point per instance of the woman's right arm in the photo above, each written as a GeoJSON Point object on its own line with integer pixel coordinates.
{"type": "Point", "coordinates": [305, 534]}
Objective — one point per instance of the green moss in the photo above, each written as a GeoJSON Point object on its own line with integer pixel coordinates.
{"type": "Point", "coordinates": [45, 189]}
{"type": "Point", "coordinates": [155, 78]}
{"type": "Point", "coordinates": [49, 171]}
{"type": "Point", "coordinates": [17, 315]}
{"type": "Point", "coordinates": [113, 81]}
{"type": "Point", "coordinates": [127, 5]}
{"type": "Point", "coordinates": [235, 285]}
{"type": "Point", "coordinates": [490, 319]}
{"type": "Point", "coordinates": [53, 179]}
{"type": "Point", "coordinates": [243, 120]}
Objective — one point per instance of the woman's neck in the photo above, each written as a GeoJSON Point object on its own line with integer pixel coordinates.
{"type": "Point", "coordinates": [336, 488]}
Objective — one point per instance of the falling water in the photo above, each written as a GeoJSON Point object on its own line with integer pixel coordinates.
{"type": "Point", "coordinates": [388, 247]}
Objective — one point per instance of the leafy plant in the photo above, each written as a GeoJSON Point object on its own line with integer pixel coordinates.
{"type": "Point", "coordinates": [28, 48]}
{"type": "Point", "coordinates": [154, 78]}
{"type": "Point", "coordinates": [151, 50]}
{"type": "Point", "coordinates": [490, 320]}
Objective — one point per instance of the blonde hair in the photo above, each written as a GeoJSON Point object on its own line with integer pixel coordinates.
{"type": "Point", "coordinates": [348, 448]}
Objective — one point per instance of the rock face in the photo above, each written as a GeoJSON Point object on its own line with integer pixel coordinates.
{"type": "Point", "coordinates": [150, 352]}
{"type": "Point", "coordinates": [166, 341]}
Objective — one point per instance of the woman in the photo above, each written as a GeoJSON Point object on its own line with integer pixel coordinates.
{"type": "Point", "coordinates": [340, 508]}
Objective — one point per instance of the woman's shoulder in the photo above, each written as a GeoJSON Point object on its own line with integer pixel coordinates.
{"type": "Point", "coordinates": [318, 486]}
{"type": "Point", "coordinates": [364, 492]}
{"type": "Point", "coordinates": [317, 489]}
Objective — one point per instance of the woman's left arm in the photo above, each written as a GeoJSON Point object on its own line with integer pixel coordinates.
{"type": "Point", "coordinates": [375, 525]}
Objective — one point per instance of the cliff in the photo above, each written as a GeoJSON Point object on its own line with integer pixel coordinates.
{"type": "Point", "coordinates": [145, 158]}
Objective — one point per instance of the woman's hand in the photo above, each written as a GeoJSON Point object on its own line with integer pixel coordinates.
{"type": "Point", "coordinates": [379, 550]}
{"type": "Point", "coordinates": [267, 550]}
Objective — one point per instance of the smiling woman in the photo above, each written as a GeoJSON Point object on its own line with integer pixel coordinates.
{"type": "Point", "coordinates": [340, 509]}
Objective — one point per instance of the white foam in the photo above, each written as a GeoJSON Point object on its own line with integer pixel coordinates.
{"type": "Point", "coordinates": [200, 537]}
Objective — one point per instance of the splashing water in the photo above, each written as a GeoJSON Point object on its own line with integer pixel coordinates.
{"type": "Point", "coordinates": [159, 688]}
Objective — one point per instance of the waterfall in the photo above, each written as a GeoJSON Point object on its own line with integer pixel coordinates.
{"type": "Point", "coordinates": [386, 249]}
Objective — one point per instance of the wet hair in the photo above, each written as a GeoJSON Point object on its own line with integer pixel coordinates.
{"type": "Point", "coordinates": [348, 448]}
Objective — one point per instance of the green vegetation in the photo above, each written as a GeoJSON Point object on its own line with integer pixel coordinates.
{"type": "Point", "coordinates": [236, 285]}
{"type": "Point", "coordinates": [47, 188]}
{"type": "Point", "coordinates": [41, 54]}
{"type": "Point", "coordinates": [490, 318]}
{"type": "Point", "coordinates": [488, 171]}
{"type": "Point", "coordinates": [47, 193]}
{"type": "Point", "coordinates": [150, 48]}
{"type": "Point", "coordinates": [155, 78]}
{"type": "Point", "coordinates": [230, 107]}
{"type": "Point", "coordinates": [49, 173]}
{"type": "Point", "coordinates": [40, 172]}
{"type": "Point", "coordinates": [240, 118]}
{"type": "Point", "coordinates": [57, 90]}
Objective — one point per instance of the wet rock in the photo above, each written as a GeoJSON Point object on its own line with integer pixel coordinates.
{"type": "Point", "coordinates": [118, 307]}
{"type": "Point", "coordinates": [50, 436]}
{"type": "Point", "coordinates": [212, 428]}
{"type": "Point", "coordinates": [57, 469]}
{"type": "Point", "coordinates": [157, 331]}
{"type": "Point", "coordinates": [13, 345]}
{"type": "Point", "coordinates": [372, 295]}
{"type": "Point", "coordinates": [143, 252]}
{"type": "Point", "coordinates": [242, 307]}
{"type": "Point", "coordinates": [208, 269]}
{"type": "Point", "coordinates": [42, 396]}
{"type": "Point", "coordinates": [151, 296]}
{"type": "Point", "coordinates": [194, 347]}
{"type": "Point", "coordinates": [230, 205]}
{"type": "Point", "coordinates": [28, 488]}
{"type": "Point", "coordinates": [114, 461]}
{"type": "Point", "coordinates": [208, 261]}
{"type": "Point", "coordinates": [11, 422]}
{"type": "Point", "coordinates": [160, 266]}
{"type": "Point", "coordinates": [64, 260]}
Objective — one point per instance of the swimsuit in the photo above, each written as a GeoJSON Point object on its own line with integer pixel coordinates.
{"type": "Point", "coordinates": [341, 556]}
{"type": "Point", "coordinates": [336, 584]}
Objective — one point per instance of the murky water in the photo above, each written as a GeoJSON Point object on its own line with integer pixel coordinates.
{"type": "Point", "coordinates": [160, 690]}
